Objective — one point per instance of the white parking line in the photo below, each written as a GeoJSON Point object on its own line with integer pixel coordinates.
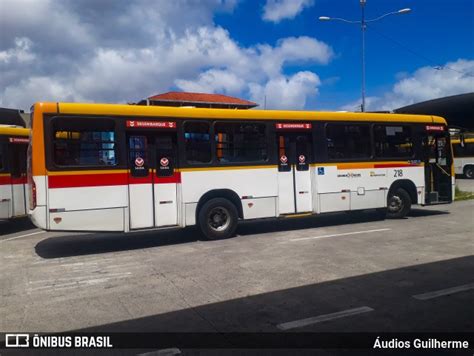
{"type": "Point", "coordinates": [18, 237]}
{"type": "Point", "coordinates": [343, 234]}
{"type": "Point", "coordinates": [443, 292]}
{"type": "Point", "coordinates": [163, 352]}
{"type": "Point", "coordinates": [324, 317]}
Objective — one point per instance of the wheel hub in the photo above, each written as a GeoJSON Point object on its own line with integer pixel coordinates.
{"type": "Point", "coordinates": [218, 219]}
{"type": "Point", "coordinates": [395, 204]}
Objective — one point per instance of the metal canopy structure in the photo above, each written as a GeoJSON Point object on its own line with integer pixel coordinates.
{"type": "Point", "coordinates": [11, 117]}
{"type": "Point", "coordinates": [458, 110]}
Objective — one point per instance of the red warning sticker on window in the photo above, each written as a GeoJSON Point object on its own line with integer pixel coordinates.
{"type": "Point", "coordinates": [139, 162]}
{"type": "Point", "coordinates": [138, 124]}
{"type": "Point", "coordinates": [164, 161]}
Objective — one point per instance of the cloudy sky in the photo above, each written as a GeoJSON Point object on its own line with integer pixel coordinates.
{"type": "Point", "coordinates": [270, 50]}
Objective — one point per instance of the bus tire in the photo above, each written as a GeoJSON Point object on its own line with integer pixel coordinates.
{"type": "Point", "coordinates": [217, 219]}
{"type": "Point", "coordinates": [469, 172]}
{"type": "Point", "coordinates": [398, 204]}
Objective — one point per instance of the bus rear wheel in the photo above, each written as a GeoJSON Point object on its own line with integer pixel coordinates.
{"type": "Point", "coordinates": [398, 204]}
{"type": "Point", "coordinates": [218, 219]}
{"type": "Point", "coordinates": [469, 172]}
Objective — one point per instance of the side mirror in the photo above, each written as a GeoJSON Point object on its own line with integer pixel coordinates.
{"type": "Point", "coordinates": [462, 141]}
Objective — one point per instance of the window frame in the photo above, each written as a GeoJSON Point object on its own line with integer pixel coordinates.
{"type": "Point", "coordinates": [349, 123]}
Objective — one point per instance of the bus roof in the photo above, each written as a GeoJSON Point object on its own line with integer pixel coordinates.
{"type": "Point", "coordinates": [13, 131]}
{"type": "Point", "coordinates": [198, 113]}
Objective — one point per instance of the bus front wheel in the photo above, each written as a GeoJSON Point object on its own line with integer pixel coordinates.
{"type": "Point", "coordinates": [218, 219]}
{"type": "Point", "coordinates": [398, 204]}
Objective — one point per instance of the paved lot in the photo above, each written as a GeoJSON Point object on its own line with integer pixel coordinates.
{"type": "Point", "coordinates": [466, 185]}
{"type": "Point", "coordinates": [273, 276]}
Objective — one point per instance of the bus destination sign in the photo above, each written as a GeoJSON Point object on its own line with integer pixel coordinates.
{"type": "Point", "coordinates": [293, 126]}
{"type": "Point", "coordinates": [139, 124]}
{"type": "Point", "coordinates": [434, 128]}
{"type": "Point", "coordinates": [18, 140]}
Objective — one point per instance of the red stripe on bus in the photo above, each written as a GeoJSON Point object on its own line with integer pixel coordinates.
{"type": "Point", "coordinates": [5, 180]}
{"type": "Point", "coordinates": [19, 180]}
{"type": "Point", "coordinates": [106, 179]}
{"type": "Point", "coordinates": [394, 165]}
{"type": "Point", "coordinates": [87, 180]}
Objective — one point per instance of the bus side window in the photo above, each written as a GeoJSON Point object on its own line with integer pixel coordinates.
{"type": "Point", "coordinates": [2, 157]}
{"type": "Point", "coordinates": [17, 160]}
{"type": "Point", "coordinates": [348, 141]}
{"type": "Point", "coordinates": [240, 142]}
{"type": "Point", "coordinates": [393, 141]}
{"type": "Point", "coordinates": [197, 142]}
{"type": "Point", "coordinates": [75, 144]}
{"type": "Point", "coordinates": [457, 150]}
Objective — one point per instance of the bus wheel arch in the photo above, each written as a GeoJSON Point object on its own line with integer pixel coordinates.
{"type": "Point", "coordinates": [223, 206]}
{"type": "Point", "coordinates": [401, 195]}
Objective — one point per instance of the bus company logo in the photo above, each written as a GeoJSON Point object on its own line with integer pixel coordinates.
{"type": "Point", "coordinates": [17, 340]}
{"type": "Point", "coordinates": [350, 175]}
{"type": "Point", "coordinates": [302, 159]}
{"type": "Point", "coordinates": [284, 159]}
{"type": "Point", "coordinates": [434, 128]}
{"type": "Point", "coordinates": [375, 174]}
{"type": "Point", "coordinates": [139, 162]}
{"type": "Point", "coordinates": [130, 123]}
{"type": "Point", "coordinates": [164, 162]}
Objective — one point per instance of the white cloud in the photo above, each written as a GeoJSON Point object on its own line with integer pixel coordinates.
{"type": "Point", "coordinates": [277, 10]}
{"type": "Point", "coordinates": [286, 92]}
{"type": "Point", "coordinates": [212, 81]}
{"type": "Point", "coordinates": [21, 52]}
{"type": "Point", "coordinates": [426, 83]}
{"type": "Point", "coordinates": [105, 57]}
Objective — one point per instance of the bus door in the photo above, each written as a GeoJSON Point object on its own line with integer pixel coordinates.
{"type": "Point", "coordinates": [438, 160]}
{"type": "Point", "coordinates": [140, 180]}
{"type": "Point", "coordinates": [153, 177]}
{"type": "Point", "coordinates": [294, 175]}
{"type": "Point", "coordinates": [165, 180]}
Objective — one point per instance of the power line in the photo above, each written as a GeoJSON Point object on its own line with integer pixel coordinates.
{"type": "Point", "coordinates": [435, 65]}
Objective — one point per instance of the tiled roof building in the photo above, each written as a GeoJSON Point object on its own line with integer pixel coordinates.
{"type": "Point", "coordinates": [200, 100]}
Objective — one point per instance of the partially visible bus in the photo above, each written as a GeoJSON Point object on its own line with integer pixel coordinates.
{"type": "Point", "coordinates": [102, 167]}
{"type": "Point", "coordinates": [13, 146]}
{"type": "Point", "coordinates": [464, 157]}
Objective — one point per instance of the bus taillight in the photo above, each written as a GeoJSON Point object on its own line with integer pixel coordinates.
{"type": "Point", "coordinates": [32, 195]}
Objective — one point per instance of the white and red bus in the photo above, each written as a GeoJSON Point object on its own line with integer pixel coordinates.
{"type": "Point", "coordinates": [102, 167]}
{"type": "Point", "coordinates": [13, 146]}
{"type": "Point", "coordinates": [463, 151]}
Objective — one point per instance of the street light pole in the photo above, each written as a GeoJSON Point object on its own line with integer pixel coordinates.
{"type": "Point", "coordinates": [363, 26]}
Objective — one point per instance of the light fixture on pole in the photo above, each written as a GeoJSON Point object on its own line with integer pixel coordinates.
{"type": "Point", "coordinates": [363, 26]}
